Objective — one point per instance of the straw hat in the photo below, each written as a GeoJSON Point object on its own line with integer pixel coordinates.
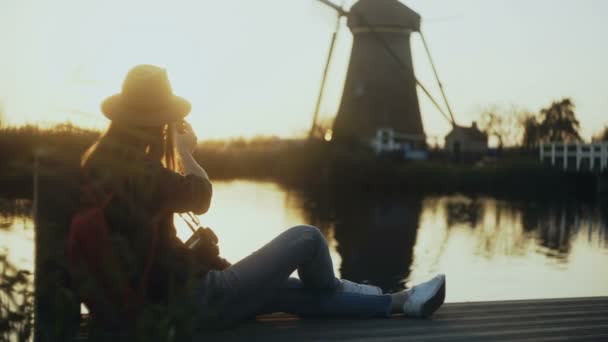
{"type": "Point", "coordinates": [146, 99]}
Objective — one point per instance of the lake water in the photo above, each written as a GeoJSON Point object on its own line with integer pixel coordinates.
{"type": "Point", "coordinates": [489, 249]}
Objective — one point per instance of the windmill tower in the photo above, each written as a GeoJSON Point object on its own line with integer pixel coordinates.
{"type": "Point", "coordinates": [380, 92]}
{"type": "Point", "coordinates": [375, 95]}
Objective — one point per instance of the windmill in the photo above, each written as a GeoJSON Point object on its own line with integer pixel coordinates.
{"type": "Point", "coordinates": [380, 88]}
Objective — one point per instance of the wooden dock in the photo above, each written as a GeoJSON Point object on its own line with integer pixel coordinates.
{"type": "Point", "coordinates": [576, 319]}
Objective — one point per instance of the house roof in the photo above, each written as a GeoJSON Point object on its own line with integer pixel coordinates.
{"type": "Point", "coordinates": [383, 13]}
{"type": "Point", "coordinates": [472, 133]}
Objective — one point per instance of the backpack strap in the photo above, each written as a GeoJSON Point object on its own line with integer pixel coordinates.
{"type": "Point", "coordinates": [143, 286]}
{"type": "Point", "coordinates": [93, 196]}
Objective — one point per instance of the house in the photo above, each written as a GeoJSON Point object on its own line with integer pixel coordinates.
{"type": "Point", "coordinates": [466, 142]}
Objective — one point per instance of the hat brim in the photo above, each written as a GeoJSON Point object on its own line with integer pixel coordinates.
{"type": "Point", "coordinates": [116, 108]}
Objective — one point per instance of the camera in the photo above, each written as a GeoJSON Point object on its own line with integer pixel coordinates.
{"type": "Point", "coordinates": [202, 237]}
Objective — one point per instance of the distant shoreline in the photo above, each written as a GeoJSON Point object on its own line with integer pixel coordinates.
{"type": "Point", "coordinates": [312, 166]}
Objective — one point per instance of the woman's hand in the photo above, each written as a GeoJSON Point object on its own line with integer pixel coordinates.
{"type": "Point", "coordinates": [185, 139]}
{"type": "Point", "coordinates": [185, 143]}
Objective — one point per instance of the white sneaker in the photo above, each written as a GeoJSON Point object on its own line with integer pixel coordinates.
{"type": "Point", "coordinates": [350, 287]}
{"type": "Point", "coordinates": [424, 299]}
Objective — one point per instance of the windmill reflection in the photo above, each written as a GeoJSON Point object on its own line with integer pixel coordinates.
{"type": "Point", "coordinates": [376, 239]}
{"type": "Point", "coordinates": [375, 235]}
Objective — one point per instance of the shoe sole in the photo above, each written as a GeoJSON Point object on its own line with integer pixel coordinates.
{"type": "Point", "coordinates": [435, 302]}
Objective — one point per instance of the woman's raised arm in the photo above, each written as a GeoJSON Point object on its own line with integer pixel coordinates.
{"type": "Point", "coordinates": [192, 191]}
{"type": "Point", "coordinates": [185, 143]}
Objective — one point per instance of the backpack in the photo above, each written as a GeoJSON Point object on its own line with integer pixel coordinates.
{"type": "Point", "coordinates": [100, 270]}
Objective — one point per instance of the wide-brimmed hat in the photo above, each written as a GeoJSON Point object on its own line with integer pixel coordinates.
{"type": "Point", "coordinates": [146, 99]}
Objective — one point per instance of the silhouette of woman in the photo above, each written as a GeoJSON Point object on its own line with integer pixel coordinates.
{"type": "Point", "coordinates": [145, 160]}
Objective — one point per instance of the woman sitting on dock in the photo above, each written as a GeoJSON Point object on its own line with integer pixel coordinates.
{"type": "Point", "coordinates": [143, 171]}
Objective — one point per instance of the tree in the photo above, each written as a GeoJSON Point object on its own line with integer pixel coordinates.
{"type": "Point", "coordinates": [491, 123]}
{"type": "Point", "coordinates": [531, 127]}
{"type": "Point", "coordinates": [557, 122]}
{"type": "Point", "coordinates": [502, 123]}
{"type": "Point", "coordinates": [603, 135]}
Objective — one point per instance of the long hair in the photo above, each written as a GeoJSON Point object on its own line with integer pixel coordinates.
{"type": "Point", "coordinates": [117, 151]}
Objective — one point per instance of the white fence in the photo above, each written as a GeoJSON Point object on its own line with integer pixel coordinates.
{"type": "Point", "coordinates": [576, 156]}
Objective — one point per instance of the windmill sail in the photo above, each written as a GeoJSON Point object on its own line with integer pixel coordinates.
{"type": "Point", "coordinates": [313, 128]}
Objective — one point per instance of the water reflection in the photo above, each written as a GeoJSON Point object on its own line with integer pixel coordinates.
{"type": "Point", "coordinates": [11, 210]}
{"type": "Point", "coordinates": [375, 236]}
{"type": "Point", "coordinates": [490, 249]}
{"type": "Point", "coordinates": [17, 233]}
{"type": "Point", "coordinates": [557, 225]}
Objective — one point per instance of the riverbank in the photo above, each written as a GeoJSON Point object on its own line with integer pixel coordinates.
{"type": "Point", "coordinates": [317, 166]}
{"type": "Point", "coordinates": [312, 166]}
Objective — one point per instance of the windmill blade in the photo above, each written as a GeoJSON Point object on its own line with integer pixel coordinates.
{"type": "Point", "coordinates": [340, 10]}
{"type": "Point", "coordinates": [445, 99]}
{"type": "Point", "coordinates": [324, 78]}
{"type": "Point", "coordinates": [435, 102]}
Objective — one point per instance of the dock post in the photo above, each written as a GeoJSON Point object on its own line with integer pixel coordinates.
{"type": "Point", "coordinates": [57, 309]}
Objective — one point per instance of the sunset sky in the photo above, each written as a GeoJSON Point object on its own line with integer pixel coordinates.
{"type": "Point", "coordinates": [252, 67]}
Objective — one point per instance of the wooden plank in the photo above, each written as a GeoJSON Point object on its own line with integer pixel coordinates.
{"type": "Point", "coordinates": [426, 330]}
{"type": "Point", "coordinates": [561, 338]}
{"type": "Point", "coordinates": [540, 301]}
{"type": "Point", "coordinates": [569, 319]}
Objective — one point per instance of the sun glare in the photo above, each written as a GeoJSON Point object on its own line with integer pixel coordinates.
{"type": "Point", "coordinates": [328, 135]}
{"type": "Point", "coordinates": [232, 80]}
{"type": "Point", "coordinates": [254, 67]}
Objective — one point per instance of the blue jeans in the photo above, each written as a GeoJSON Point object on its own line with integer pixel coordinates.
{"type": "Point", "coordinates": [260, 283]}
